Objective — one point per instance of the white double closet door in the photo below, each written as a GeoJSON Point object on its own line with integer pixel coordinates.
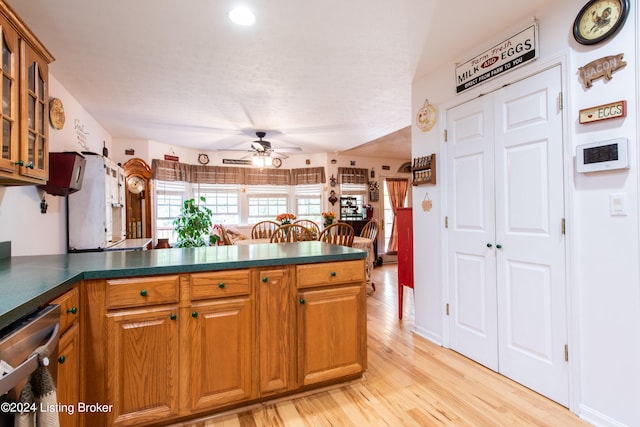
{"type": "Point", "coordinates": [506, 248]}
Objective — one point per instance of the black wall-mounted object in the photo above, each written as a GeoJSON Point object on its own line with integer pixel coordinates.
{"type": "Point", "coordinates": [66, 171]}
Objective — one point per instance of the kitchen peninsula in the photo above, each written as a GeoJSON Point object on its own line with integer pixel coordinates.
{"type": "Point", "coordinates": [170, 334]}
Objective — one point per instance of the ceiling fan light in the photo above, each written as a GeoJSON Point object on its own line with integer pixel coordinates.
{"type": "Point", "coordinates": [242, 16]}
{"type": "Point", "coordinates": [268, 161]}
{"type": "Point", "coordinates": [257, 161]}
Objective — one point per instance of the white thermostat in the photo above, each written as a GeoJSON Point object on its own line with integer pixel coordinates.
{"type": "Point", "coordinates": [602, 156]}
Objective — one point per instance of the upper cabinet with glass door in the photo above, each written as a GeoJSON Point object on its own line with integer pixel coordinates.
{"type": "Point", "coordinates": [25, 132]}
{"type": "Point", "coordinates": [9, 91]}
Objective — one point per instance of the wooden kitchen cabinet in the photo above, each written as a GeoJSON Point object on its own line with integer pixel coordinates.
{"type": "Point", "coordinates": [68, 382]}
{"type": "Point", "coordinates": [68, 385]}
{"type": "Point", "coordinates": [133, 342]}
{"type": "Point", "coordinates": [25, 103]}
{"type": "Point", "coordinates": [176, 346]}
{"type": "Point", "coordinates": [220, 352]}
{"type": "Point", "coordinates": [142, 365]}
{"type": "Point", "coordinates": [275, 331]}
{"type": "Point", "coordinates": [220, 339]}
{"type": "Point", "coordinates": [331, 322]}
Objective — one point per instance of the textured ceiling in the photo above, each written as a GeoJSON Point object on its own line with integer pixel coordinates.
{"type": "Point", "coordinates": [325, 76]}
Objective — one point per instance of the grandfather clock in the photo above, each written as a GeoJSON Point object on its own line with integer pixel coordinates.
{"type": "Point", "coordinates": [138, 182]}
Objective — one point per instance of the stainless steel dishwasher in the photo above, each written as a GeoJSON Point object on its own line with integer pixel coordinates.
{"type": "Point", "coordinates": [17, 359]}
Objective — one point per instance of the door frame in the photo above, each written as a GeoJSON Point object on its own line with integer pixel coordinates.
{"type": "Point", "coordinates": [572, 292]}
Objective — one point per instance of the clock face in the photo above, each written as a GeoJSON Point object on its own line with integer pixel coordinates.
{"type": "Point", "coordinates": [276, 162]}
{"type": "Point", "coordinates": [600, 19]}
{"type": "Point", "coordinates": [203, 159]}
{"type": "Point", "coordinates": [135, 184]}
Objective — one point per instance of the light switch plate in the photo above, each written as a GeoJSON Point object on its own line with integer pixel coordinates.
{"type": "Point", "coordinates": [618, 204]}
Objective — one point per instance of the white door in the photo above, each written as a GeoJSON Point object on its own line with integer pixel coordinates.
{"type": "Point", "coordinates": [523, 262]}
{"type": "Point", "coordinates": [532, 321]}
{"type": "Point", "coordinates": [471, 212]}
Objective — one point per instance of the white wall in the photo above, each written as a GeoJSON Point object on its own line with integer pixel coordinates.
{"type": "Point", "coordinates": [33, 233]}
{"type": "Point", "coordinates": [603, 282]}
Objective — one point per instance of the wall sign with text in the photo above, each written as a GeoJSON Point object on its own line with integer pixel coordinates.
{"type": "Point", "coordinates": [603, 112]}
{"type": "Point", "coordinates": [506, 56]}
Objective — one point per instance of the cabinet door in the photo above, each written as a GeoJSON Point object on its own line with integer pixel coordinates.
{"type": "Point", "coordinates": [142, 365]}
{"type": "Point", "coordinates": [275, 331]}
{"type": "Point", "coordinates": [221, 335]}
{"type": "Point", "coordinates": [331, 334]}
{"type": "Point", "coordinates": [68, 387]}
{"type": "Point", "coordinates": [34, 142]}
{"type": "Point", "coordinates": [9, 95]}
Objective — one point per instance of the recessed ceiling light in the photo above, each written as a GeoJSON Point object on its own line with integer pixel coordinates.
{"type": "Point", "coordinates": [242, 16]}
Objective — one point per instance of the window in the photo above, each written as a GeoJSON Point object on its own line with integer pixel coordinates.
{"type": "Point", "coordinates": [235, 195]}
{"type": "Point", "coordinates": [308, 202]}
{"type": "Point", "coordinates": [223, 200]}
{"type": "Point", "coordinates": [266, 202]}
{"type": "Point", "coordinates": [169, 198]}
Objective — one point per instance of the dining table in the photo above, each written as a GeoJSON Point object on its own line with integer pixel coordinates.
{"type": "Point", "coordinates": [251, 241]}
{"type": "Point", "coordinates": [366, 244]}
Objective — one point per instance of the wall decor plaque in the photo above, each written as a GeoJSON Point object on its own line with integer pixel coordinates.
{"type": "Point", "coordinates": [514, 52]}
{"type": "Point", "coordinates": [56, 113]}
{"type": "Point", "coordinates": [612, 110]}
{"type": "Point", "coordinates": [426, 117]}
{"type": "Point", "coordinates": [603, 67]}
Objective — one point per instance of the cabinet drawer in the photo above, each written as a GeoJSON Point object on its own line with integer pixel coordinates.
{"type": "Point", "coordinates": [219, 284]}
{"type": "Point", "coordinates": [142, 291]}
{"type": "Point", "coordinates": [330, 273]}
{"type": "Point", "coordinates": [69, 308]}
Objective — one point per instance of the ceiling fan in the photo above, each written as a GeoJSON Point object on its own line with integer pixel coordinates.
{"type": "Point", "coordinates": [263, 147]}
{"type": "Point", "coordinates": [263, 154]}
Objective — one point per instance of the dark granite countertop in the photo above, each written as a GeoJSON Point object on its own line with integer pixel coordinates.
{"type": "Point", "coordinates": [27, 282]}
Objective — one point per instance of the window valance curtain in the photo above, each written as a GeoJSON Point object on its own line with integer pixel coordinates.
{"type": "Point", "coordinates": [166, 170]}
{"type": "Point", "coordinates": [304, 176]}
{"type": "Point", "coordinates": [353, 176]}
{"type": "Point", "coordinates": [255, 176]}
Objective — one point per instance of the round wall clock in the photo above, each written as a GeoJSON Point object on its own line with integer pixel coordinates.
{"type": "Point", "coordinates": [599, 20]}
{"type": "Point", "coordinates": [203, 159]}
{"type": "Point", "coordinates": [276, 162]}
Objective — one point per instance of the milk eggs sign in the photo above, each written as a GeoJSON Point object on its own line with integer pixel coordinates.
{"type": "Point", "coordinates": [505, 56]}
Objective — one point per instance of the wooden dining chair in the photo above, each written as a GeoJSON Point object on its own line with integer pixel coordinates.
{"type": "Point", "coordinates": [226, 241]}
{"type": "Point", "coordinates": [312, 226]}
{"type": "Point", "coordinates": [339, 233]}
{"type": "Point", "coordinates": [264, 229]}
{"type": "Point", "coordinates": [291, 233]}
{"type": "Point", "coordinates": [370, 230]}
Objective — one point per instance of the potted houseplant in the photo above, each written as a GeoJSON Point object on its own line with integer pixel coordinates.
{"type": "Point", "coordinates": [193, 224]}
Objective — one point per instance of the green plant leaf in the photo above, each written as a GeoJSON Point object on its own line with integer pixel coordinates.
{"type": "Point", "coordinates": [193, 224]}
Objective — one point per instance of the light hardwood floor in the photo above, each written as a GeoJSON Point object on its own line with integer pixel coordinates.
{"type": "Point", "coordinates": [410, 382]}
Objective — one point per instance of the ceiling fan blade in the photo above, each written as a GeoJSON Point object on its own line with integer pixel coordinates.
{"type": "Point", "coordinates": [276, 155]}
{"type": "Point", "coordinates": [287, 149]}
{"type": "Point", "coordinates": [237, 150]}
{"type": "Point", "coordinates": [258, 145]}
